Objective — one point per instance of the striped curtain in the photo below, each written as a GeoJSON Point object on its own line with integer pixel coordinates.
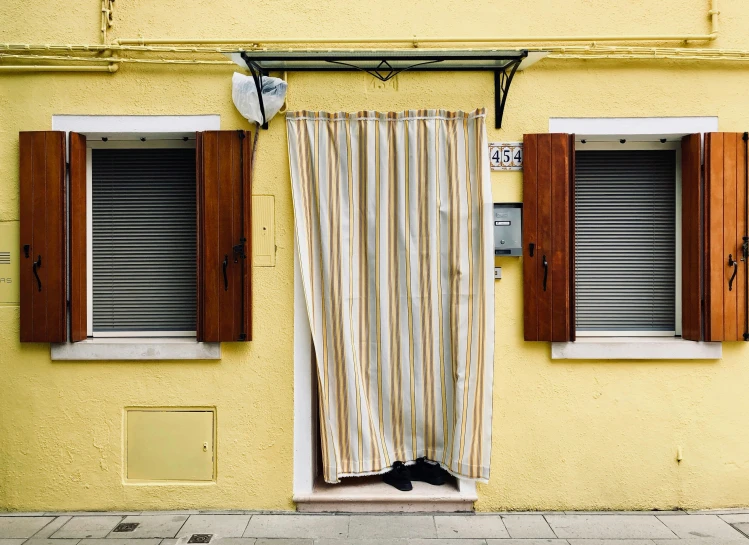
{"type": "Point", "coordinates": [393, 226]}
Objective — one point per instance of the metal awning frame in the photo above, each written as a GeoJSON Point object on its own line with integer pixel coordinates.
{"type": "Point", "coordinates": [385, 65]}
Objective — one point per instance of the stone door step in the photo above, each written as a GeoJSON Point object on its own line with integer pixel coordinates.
{"type": "Point", "coordinates": [371, 495]}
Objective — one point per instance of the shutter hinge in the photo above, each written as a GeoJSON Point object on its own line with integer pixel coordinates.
{"type": "Point", "coordinates": [239, 250]}
{"type": "Point", "coordinates": [243, 336]}
{"type": "Point", "coordinates": [241, 134]}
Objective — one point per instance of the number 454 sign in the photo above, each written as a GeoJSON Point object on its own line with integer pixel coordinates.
{"type": "Point", "coordinates": [506, 155]}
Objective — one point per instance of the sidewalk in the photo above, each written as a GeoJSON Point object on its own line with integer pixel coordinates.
{"type": "Point", "coordinates": [253, 528]}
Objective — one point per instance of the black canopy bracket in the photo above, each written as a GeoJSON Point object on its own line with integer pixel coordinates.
{"type": "Point", "coordinates": [384, 65]}
{"type": "Point", "coordinates": [257, 76]}
{"type": "Point", "coordinates": [502, 82]}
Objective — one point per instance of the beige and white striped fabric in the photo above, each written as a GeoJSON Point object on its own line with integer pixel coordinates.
{"type": "Point", "coordinates": [393, 217]}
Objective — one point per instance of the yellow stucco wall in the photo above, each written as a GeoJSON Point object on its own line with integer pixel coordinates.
{"type": "Point", "coordinates": [567, 435]}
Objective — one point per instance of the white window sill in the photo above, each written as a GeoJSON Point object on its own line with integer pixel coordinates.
{"type": "Point", "coordinates": [635, 348]}
{"type": "Point", "coordinates": [114, 349]}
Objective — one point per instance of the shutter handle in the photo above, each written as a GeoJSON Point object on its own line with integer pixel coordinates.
{"type": "Point", "coordinates": [37, 265]}
{"type": "Point", "coordinates": [546, 271]}
{"type": "Point", "coordinates": [226, 278]}
{"type": "Point", "coordinates": [735, 264]}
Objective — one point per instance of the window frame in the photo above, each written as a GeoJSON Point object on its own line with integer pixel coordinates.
{"type": "Point", "coordinates": [635, 348]}
{"type": "Point", "coordinates": [613, 143]}
{"type": "Point", "coordinates": [134, 127]}
{"type": "Point", "coordinates": [162, 141]}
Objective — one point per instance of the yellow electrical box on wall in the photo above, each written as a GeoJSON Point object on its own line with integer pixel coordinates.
{"type": "Point", "coordinates": [170, 444]}
{"type": "Point", "coordinates": [263, 231]}
{"type": "Point", "coordinates": [9, 263]}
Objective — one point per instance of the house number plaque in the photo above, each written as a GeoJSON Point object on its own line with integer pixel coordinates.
{"type": "Point", "coordinates": [506, 155]}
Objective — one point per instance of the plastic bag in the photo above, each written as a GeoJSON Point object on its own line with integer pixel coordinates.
{"type": "Point", "coordinates": [244, 95]}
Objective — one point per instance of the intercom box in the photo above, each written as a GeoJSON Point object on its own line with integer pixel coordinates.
{"type": "Point", "coordinates": [508, 229]}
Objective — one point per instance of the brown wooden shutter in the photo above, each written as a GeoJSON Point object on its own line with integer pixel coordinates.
{"type": "Point", "coordinates": [691, 238]}
{"type": "Point", "coordinates": [548, 237]}
{"type": "Point", "coordinates": [725, 226]}
{"type": "Point", "coordinates": [78, 264]}
{"type": "Point", "coordinates": [42, 199]}
{"type": "Point", "coordinates": [224, 226]}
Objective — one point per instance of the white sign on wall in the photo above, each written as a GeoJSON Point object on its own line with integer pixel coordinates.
{"type": "Point", "coordinates": [506, 155]}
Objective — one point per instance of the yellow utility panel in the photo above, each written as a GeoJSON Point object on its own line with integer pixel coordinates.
{"type": "Point", "coordinates": [9, 263]}
{"type": "Point", "coordinates": [170, 445]}
{"type": "Point", "coordinates": [263, 231]}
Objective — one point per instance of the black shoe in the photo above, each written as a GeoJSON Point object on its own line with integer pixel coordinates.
{"type": "Point", "coordinates": [399, 477]}
{"type": "Point", "coordinates": [427, 472]}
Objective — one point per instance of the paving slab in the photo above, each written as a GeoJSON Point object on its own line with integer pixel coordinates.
{"type": "Point", "coordinates": [215, 540]}
{"type": "Point", "coordinates": [160, 526]}
{"type": "Point", "coordinates": [610, 526]}
{"type": "Point", "coordinates": [22, 527]}
{"type": "Point", "coordinates": [87, 526]}
{"type": "Point", "coordinates": [527, 526]}
{"type": "Point", "coordinates": [11, 541]}
{"type": "Point", "coordinates": [470, 526]}
{"type": "Point", "coordinates": [446, 541]}
{"type": "Point", "coordinates": [119, 541]}
{"type": "Point", "coordinates": [264, 541]}
{"type": "Point", "coordinates": [701, 541]}
{"type": "Point", "coordinates": [638, 513]}
{"type": "Point", "coordinates": [90, 513]}
{"type": "Point", "coordinates": [733, 518]}
{"type": "Point", "coordinates": [51, 528]}
{"type": "Point", "coordinates": [701, 526]}
{"type": "Point", "coordinates": [615, 542]}
{"type": "Point", "coordinates": [34, 541]}
{"type": "Point", "coordinates": [728, 511]}
{"type": "Point", "coordinates": [390, 526]}
{"type": "Point", "coordinates": [742, 527]}
{"type": "Point", "coordinates": [218, 525]}
{"type": "Point", "coordinates": [347, 541]}
{"type": "Point", "coordinates": [222, 512]}
{"type": "Point", "coordinates": [526, 542]}
{"type": "Point", "coordinates": [298, 526]}
{"type": "Point", "coordinates": [175, 512]}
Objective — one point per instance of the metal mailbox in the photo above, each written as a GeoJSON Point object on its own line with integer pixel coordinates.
{"type": "Point", "coordinates": [508, 218]}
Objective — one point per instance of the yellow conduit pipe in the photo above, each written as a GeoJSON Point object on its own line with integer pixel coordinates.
{"type": "Point", "coordinates": [113, 60]}
{"type": "Point", "coordinates": [555, 53]}
{"type": "Point", "coordinates": [57, 68]}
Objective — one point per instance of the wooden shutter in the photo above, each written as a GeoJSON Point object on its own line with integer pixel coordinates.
{"type": "Point", "coordinates": [548, 234]}
{"type": "Point", "coordinates": [224, 226]}
{"type": "Point", "coordinates": [725, 226]}
{"type": "Point", "coordinates": [42, 199]}
{"type": "Point", "coordinates": [691, 238]}
{"type": "Point", "coordinates": [78, 263]}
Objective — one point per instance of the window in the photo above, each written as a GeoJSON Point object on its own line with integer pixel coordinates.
{"type": "Point", "coordinates": [627, 266]}
{"type": "Point", "coordinates": [143, 239]}
{"type": "Point", "coordinates": [636, 259]}
{"type": "Point", "coordinates": [144, 235]}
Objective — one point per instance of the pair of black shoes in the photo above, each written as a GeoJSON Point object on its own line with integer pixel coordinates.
{"type": "Point", "coordinates": [401, 475]}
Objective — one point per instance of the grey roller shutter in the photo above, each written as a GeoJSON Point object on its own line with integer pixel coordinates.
{"type": "Point", "coordinates": [144, 240]}
{"type": "Point", "coordinates": [625, 240]}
